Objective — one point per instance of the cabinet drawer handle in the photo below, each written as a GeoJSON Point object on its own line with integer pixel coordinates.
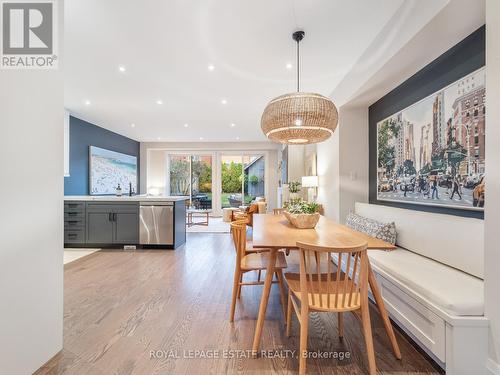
{"type": "Point", "coordinates": [72, 213]}
{"type": "Point", "coordinates": [114, 217]}
{"type": "Point", "coordinates": [110, 216]}
{"type": "Point", "coordinates": [72, 222]}
{"type": "Point", "coordinates": [72, 235]}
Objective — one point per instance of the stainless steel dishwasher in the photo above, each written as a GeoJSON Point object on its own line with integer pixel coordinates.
{"type": "Point", "coordinates": [156, 223]}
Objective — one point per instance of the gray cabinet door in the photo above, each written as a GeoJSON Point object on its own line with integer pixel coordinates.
{"type": "Point", "coordinates": [99, 228]}
{"type": "Point", "coordinates": [126, 228]}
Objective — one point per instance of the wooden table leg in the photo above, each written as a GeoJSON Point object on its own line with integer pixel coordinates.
{"type": "Point", "coordinates": [383, 312]}
{"type": "Point", "coordinates": [263, 300]}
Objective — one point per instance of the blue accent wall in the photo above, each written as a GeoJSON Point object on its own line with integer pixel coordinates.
{"type": "Point", "coordinates": [83, 134]}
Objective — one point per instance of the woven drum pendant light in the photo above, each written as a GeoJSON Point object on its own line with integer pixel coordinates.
{"type": "Point", "coordinates": [299, 117]}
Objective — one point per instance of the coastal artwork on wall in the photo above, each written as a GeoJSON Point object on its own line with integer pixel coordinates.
{"type": "Point", "coordinates": [108, 169]}
{"type": "Point", "coordinates": [433, 152]}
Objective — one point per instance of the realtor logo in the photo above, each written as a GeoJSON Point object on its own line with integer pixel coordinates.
{"type": "Point", "coordinates": [28, 35]}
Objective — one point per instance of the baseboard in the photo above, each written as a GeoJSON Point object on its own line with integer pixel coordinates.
{"type": "Point", "coordinates": [492, 368]}
{"type": "Point", "coordinates": [48, 367]}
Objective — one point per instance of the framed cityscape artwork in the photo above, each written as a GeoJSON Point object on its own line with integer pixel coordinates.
{"type": "Point", "coordinates": [432, 152]}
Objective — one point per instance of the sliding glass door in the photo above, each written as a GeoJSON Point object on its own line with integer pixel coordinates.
{"type": "Point", "coordinates": [191, 175]}
{"type": "Point", "coordinates": [242, 179]}
{"type": "Point", "coordinates": [201, 181]}
{"type": "Point", "coordinates": [231, 181]}
{"type": "Point", "coordinates": [179, 175]}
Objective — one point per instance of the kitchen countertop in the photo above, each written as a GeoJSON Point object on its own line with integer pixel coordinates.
{"type": "Point", "coordinates": [125, 198]}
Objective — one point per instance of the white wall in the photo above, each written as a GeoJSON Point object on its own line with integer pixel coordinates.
{"type": "Point", "coordinates": [492, 212]}
{"type": "Point", "coordinates": [31, 217]}
{"type": "Point", "coordinates": [328, 176]}
{"type": "Point", "coordinates": [343, 164]}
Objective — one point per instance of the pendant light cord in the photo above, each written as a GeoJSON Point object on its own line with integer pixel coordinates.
{"type": "Point", "coordinates": [298, 66]}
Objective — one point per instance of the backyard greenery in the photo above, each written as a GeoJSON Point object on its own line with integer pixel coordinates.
{"type": "Point", "coordinates": [200, 180]}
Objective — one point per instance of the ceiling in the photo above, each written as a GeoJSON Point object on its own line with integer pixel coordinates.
{"type": "Point", "coordinates": [166, 47]}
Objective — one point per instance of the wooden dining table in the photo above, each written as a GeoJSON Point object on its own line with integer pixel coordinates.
{"type": "Point", "coordinates": [274, 232]}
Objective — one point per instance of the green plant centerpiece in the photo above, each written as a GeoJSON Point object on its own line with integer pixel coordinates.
{"type": "Point", "coordinates": [301, 214]}
{"type": "Point", "coordinates": [294, 189]}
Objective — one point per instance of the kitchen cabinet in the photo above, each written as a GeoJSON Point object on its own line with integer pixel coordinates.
{"type": "Point", "coordinates": [99, 227]}
{"type": "Point", "coordinates": [112, 223]}
{"type": "Point", "coordinates": [126, 228]}
{"type": "Point", "coordinates": [74, 223]}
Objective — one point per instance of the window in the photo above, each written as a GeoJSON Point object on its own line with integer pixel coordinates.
{"type": "Point", "coordinates": [242, 179]}
{"type": "Point", "coordinates": [191, 175]}
{"type": "Point", "coordinates": [179, 174]}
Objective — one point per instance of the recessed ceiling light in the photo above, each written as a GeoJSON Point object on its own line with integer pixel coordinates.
{"type": "Point", "coordinates": [159, 138]}
{"type": "Point", "coordinates": [132, 125]}
{"type": "Point", "coordinates": [232, 125]}
{"type": "Point", "coordinates": [223, 101]}
{"type": "Point", "coordinates": [159, 102]}
{"type": "Point", "coordinates": [201, 138]}
{"type": "Point", "coordinates": [289, 66]}
{"type": "Point", "coordinates": [211, 67]}
{"type": "Point", "coordinates": [121, 68]}
{"type": "Point", "coordinates": [87, 102]}
{"type": "Point", "coordinates": [237, 138]}
{"type": "Point", "coordinates": [186, 125]}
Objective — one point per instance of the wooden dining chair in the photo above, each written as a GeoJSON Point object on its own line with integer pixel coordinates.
{"type": "Point", "coordinates": [330, 292]}
{"type": "Point", "coordinates": [248, 260]}
{"type": "Point", "coordinates": [279, 211]}
{"type": "Point", "coordinates": [247, 214]}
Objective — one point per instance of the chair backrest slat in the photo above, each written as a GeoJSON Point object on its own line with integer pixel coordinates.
{"type": "Point", "coordinates": [334, 291]}
{"type": "Point", "coordinates": [346, 280]}
{"type": "Point", "coordinates": [239, 233]}
{"type": "Point", "coordinates": [328, 277]}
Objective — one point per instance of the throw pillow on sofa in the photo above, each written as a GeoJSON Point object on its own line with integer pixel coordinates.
{"type": "Point", "coordinates": [383, 231]}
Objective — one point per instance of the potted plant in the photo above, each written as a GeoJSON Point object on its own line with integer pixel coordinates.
{"type": "Point", "coordinates": [294, 188]}
{"type": "Point", "coordinates": [301, 214]}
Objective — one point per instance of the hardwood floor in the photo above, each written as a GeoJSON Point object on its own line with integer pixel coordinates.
{"type": "Point", "coordinates": [119, 306]}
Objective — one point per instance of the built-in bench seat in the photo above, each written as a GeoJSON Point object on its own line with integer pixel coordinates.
{"type": "Point", "coordinates": [452, 290]}
{"type": "Point", "coordinates": [432, 284]}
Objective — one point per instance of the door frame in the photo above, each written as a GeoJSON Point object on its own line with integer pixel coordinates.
{"type": "Point", "coordinates": [216, 154]}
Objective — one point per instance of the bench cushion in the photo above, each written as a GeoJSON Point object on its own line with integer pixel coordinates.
{"type": "Point", "coordinates": [452, 290]}
{"type": "Point", "coordinates": [452, 240]}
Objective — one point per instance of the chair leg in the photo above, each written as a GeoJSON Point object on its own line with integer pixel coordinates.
{"type": "Point", "coordinates": [239, 285]}
{"type": "Point", "coordinates": [304, 323]}
{"type": "Point", "coordinates": [236, 283]}
{"type": "Point", "coordinates": [289, 314]}
{"type": "Point", "coordinates": [340, 319]}
{"type": "Point", "coordinates": [367, 331]}
{"type": "Point", "coordinates": [279, 275]}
